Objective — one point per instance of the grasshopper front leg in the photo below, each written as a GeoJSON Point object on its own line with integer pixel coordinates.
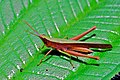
{"type": "Point", "coordinates": [44, 56]}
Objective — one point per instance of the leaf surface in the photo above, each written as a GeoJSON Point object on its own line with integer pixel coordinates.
{"type": "Point", "coordinates": [20, 51]}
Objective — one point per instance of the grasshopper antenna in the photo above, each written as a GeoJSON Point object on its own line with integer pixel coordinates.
{"type": "Point", "coordinates": [31, 28]}
{"type": "Point", "coordinates": [32, 33]}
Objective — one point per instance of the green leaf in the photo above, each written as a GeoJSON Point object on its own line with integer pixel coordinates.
{"type": "Point", "coordinates": [19, 50]}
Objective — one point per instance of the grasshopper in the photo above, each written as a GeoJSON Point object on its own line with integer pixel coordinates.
{"type": "Point", "coordinates": [72, 46]}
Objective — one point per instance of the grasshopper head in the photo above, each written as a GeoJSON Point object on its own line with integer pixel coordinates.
{"type": "Point", "coordinates": [42, 36]}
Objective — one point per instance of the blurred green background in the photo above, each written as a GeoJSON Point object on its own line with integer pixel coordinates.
{"type": "Point", "coordinates": [19, 50]}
